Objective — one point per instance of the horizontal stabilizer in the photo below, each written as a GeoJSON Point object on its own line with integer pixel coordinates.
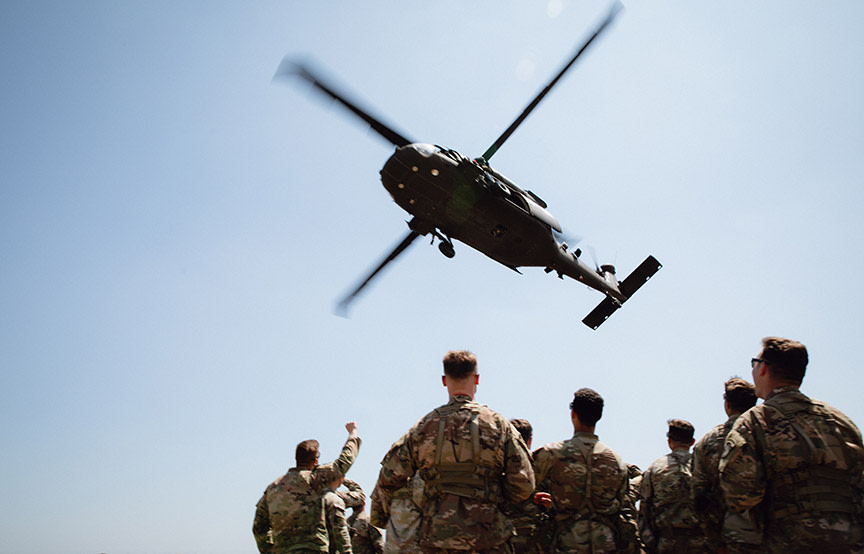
{"type": "Point", "coordinates": [628, 286]}
{"type": "Point", "coordinates": [601, 313]}
{"type": "Point", "coordinates": [640, 276]}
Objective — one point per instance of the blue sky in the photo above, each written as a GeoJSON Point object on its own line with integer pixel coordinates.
{"type": "Point", "coordinates": [175, 230]}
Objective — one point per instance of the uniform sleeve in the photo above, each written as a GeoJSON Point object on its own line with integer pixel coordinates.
{"type": "Point", "coordinates": [518, 473]}
{"type": "Point", "coordinates": [261, 527]}
{"type": "Point", "coordinates": [354, 496]}
{"type": "Point", "coordinates": [742, 477]}
{"type": "Point", "coordinates": [646, 511]}
{"type": "Point", "coordinates": [541, 464]}
{"type": "Point", "coordinates": [326, 474]}
{"type": "Point", "coordinates": [337, 526]}
{"type": "Point", "coordinates": [701, 484]}
{"type": "Point", "coordinates": [627, 527]}
{"type": "Point", "coordinates": [396, 468]}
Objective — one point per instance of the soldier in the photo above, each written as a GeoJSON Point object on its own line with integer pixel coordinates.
{"type": "Point", "coordinates": [667, 519]}
{"type": "Point", "coordinates": [353, 498]}
{"type": "Point", "coordinates": [337, 526]}
{"type": "Point", "coordinates": [472, 462]}
{"type": "Point", "coordinates": [532, 523]}
{"type": "Point", "coordinates": [795, 462]}
{"type": "Point", "coordinates": [290, 516]}
{"type": "Point", "coordinates": [589, 486]}
{"type": "Point", "coordinates": [737, 534]}
{"type": "Point", "coordinates": [365, 537]}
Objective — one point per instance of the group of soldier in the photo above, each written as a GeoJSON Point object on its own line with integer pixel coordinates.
{"type": "Point", "coordinates": [785, 476]}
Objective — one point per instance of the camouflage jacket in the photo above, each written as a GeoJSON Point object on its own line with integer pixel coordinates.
{"type": "Point", "coordinates": [472, 461]}
{"type": "Point", "coordinates": [797, 464]}
{"type": "Point", "coordinates": [354, 496]}
{"type": "Point", "coordinates": [665, 493]}
{"type": "Point", "coordinates": [705, 490]}
{"type": "Point", "coordinates": [667, 519]}
{"type": "Point", "coordinates": [534, 527]}
{"type": "Point", "coordinates": [337, 525]}
{"type": "Point", "coordinates": [290, 515]}
{"type": "Point", "coordinates": [589, 485]}
{"type": "Point", "coordinates": [365, 537]}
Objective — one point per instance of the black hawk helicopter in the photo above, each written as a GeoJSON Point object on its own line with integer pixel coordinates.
{"type": "Point", "coordinates": [452, 197]}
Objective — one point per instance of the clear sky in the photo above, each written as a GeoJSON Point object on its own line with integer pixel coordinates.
{"type": "Point", "coordinates": [175, 231]}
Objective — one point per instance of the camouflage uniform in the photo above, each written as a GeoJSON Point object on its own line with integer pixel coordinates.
{"type": "Point", "coordinates": [472, 461]}
{"type": "Point", "coordinates": [290, 516]}
{"type": "Point", "coordinates": [635, 486]}
{"type": "Point", "coordinates": [402, 531]}
{"type": "Point", "coordinates": [353, 497]}
{"type": "Point", "coordinates": [337, 526]}
{"type": "Point", "coordinates": [365, 537]}
{"type": "Point", "coordinates": [667, 519]}
{"type": "Point", "coordinates": [735, 532]}
{"type": "Point", "coordinates": [534, 527]}
{"type": "Point", "coordinates": [796, 463]}
{"type": "Point", "coordinates": [589, 486]}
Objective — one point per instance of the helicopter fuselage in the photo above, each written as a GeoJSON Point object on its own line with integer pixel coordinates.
{"type": "Point", "coordinates": [469, 201]}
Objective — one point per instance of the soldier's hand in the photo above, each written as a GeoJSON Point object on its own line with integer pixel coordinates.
{"type": "Point", "coordinates": [351, 427]}
{"type": "Point", "coordinates": [543, 499]}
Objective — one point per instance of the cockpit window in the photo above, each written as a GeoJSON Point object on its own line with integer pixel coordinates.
{"type": "Point", "coordinates": [426, 149]}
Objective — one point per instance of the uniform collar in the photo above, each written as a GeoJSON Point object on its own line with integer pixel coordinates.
{"type": "Point", "coordinates": [784, 389]}
{"type": "Point", "coordinates": [459, 399]}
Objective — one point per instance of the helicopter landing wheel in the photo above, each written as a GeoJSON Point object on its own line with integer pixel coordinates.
{"type": "Point", "coordinates": [447, 249]}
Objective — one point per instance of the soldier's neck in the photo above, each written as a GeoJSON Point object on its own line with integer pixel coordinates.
{"type": "Point", "coordinates": [578, 427]}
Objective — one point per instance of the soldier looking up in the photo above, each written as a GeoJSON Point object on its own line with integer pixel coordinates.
{"type": "Point", "coordinates": [733, 532]}
{"type": "Point", "coordinates": [589, 484]}
{"type": "Point", "coordinates": [290, 516]}
{"type": "Point", "coordinates": [667, 519]}
{"type": "Point", "coordinates": [472, 462]}
{"type": "Point", "coordinates": [794, 462]}
{"type": "Point", "coordinates": [365, 537]}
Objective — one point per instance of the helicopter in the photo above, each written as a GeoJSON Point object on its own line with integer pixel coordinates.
{"type": "Point", "coordinates": [455, 198]}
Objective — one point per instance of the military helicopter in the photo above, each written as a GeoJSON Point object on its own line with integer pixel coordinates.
{"type": "Point", "coordinates": [452, 197]}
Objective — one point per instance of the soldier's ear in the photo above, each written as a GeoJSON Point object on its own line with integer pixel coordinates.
{"type": "Point", "coordinates": [476, 378]}
{"type": "Point", "coordinates": [444, 380]}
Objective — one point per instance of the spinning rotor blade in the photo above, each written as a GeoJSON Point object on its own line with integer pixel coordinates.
{"type": "Point", "coordinates": [287, 67]}
{"type": "Point", "coordinates": [564, 236]}
{"type": "Point", "coordinates": [494, 148]}
{"type": "Point", "coordinates": [342, 307]}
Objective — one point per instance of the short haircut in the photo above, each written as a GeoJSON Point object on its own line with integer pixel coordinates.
{"type": "Point", "coordinates": [787, 359]}
{"type": "Point", "coordinates": [680, 431]}
{"type": "Point", "coordinates": [740, 394]}
{"type": "Point", "coordinates": [587, 405]}
{"type": "Point", "coordinates": [524, 428]}
{"type": "Point", "coordinates": [459, 364]}
{"type": "Point", "coordinates": [307, 452]}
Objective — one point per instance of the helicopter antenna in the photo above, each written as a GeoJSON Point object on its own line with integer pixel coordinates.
{"type": "Point", "coordinates": [494, 148]}
{"type": "Point", "coordinates": [288, 67]}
